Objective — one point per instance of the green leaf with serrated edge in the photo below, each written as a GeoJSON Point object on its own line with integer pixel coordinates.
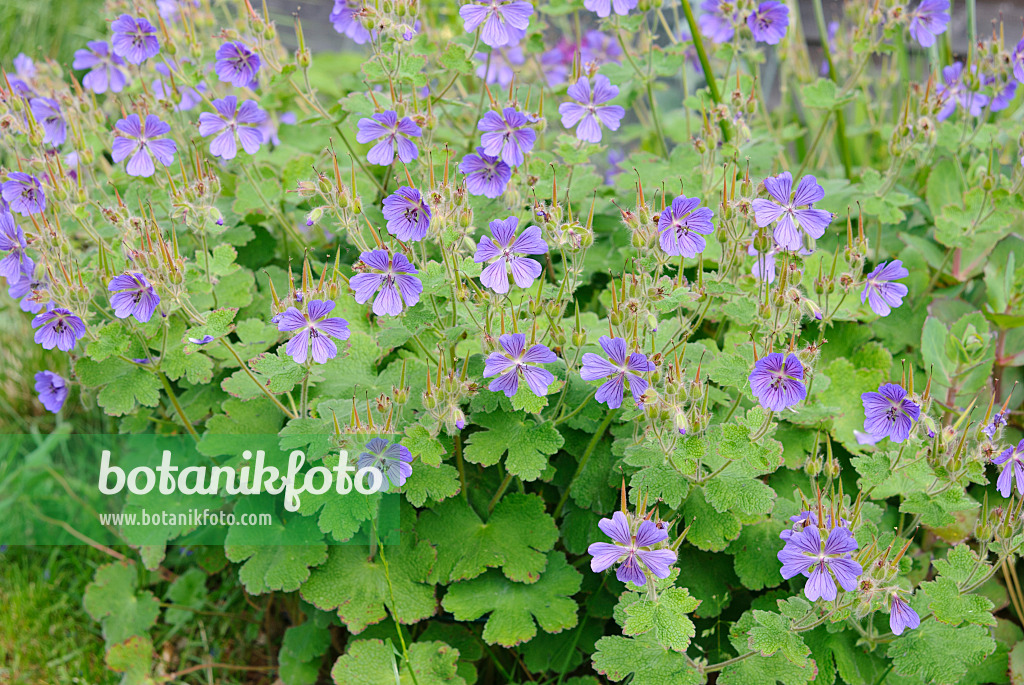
{"type": "Point", "coordinates": [306, 641]}
{"type": "Point", "coordinates": [313, 437]}
{"type": "Point", "coordinates": [527, 443]}
{"type": "Point", "coordinates": [710, 530]}
{"type": "Point", "coordinates": [113, 339]}
{"type": "Point", "coordinates": [278, 556]}
{"type": "Point", "coordinates": [514, 606]}
{"type": "Point", "coordinates": [940, 653]}
{"type": "Point", "coordinates": [337, 515]}
{"type": "Point", "coordinates": [960, 564]}
{"type": "Point", "coordinates": [762, 670]}
{"type": "Point", "coordinates": [617, 658]}
{"type": "Point", "coordinates": [196, 368]}
{"type": "Point", "coordinates": [363, 593]}
{"type": "Point", "coordinates": [113, 599]}
{"type": "Point", "coordinates": [436, 484]}
{"type": "Point", "coordinates": [293, 671]}
{"type": "Point", "coordinates": [133, 658]}
{"type": "Point", "coordinates": [591, 488]}
{"type": "Point", "coordinates": [423, 445]}
{"type": "Point", "coordinates": [373, 662]}
{"type": "Point", "coordinates": [755, 553]}
{"type": "Point", "coordinates": [218, 323]}
{"type": "Point", "coordinates": [124, 385]}
{"type": "Point", "coordinates": [844, 392]}
{"type": "Point", "coordinates": [514, 538]}
{"type": "Point", "coordinates": [772, 634]}
{"type": "Point", "coordinates": [937, 510]}
{"type": "Point", "coordinates": [277, 372]}
{"type": "Point", "coordinates": [949, 606]}
{"type": "Point", "coordinates": [666, 616]}
{"type": "Point", "coordinates": [187, 590]}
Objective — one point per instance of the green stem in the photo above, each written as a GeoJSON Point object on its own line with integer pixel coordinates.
{"type": "Point", "coordinates": [177, 406]}
{"type": "Point", "coordinates": [705, 65]}
{"type": "Point", "coordinates": [598, 434]}
{"type": "Point", "coordinates": [501, 491]}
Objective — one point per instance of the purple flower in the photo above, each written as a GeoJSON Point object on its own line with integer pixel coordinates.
{"type": "Point", "coordinates": [52, 389]}
{"type": "Point", "coordinates": [777, 381]}
{"type": "Point", "coordinates": [502, 61]}
{"type": "Point", "coordinates": [32, 292]}
{"type": "Point", "coordinates": [347, 17]}
{"type": "Point", "coordinates": [589, 111]}
{"type": "Point", "coordinates": [237, 65]}
{"type": "Point", "coordinates": [783, 209]}
{"type": "Point", "coordinates": [718, 20]}
{"type": "Point", "coordinates": [60, 329]}
{"type": "Point", "coordinates": [134, 39]}
{"type": "Point", "coordinates": [955, 92]}
{"type": "Point", "coordinates": [1003, 94]}
{"type": "Point", "coordinates": [998, 419]}
{"type": "Point", "coordinates": [506, 249]}
{"type": "Point", "coordinates": [603, 8]}
{"type": "Point", "coordinates": [619, 368]}
{"type": "Point", "coordinates": [142, 142]}
{"type": "Point", "coordinates": [391, 275]}
{"type": "Point", "coordinates": [1018, 61]}
{"type": "Point", "coordinates": [315, 331]}
{"type": "Point", "coordinates": [683, 225]}
{"type": "Point", "coordinates": [769, 22]}
{"type": "Point", "coordinates": [104, 73]}
{"type": "Point", "coordinates": [392, 461]}
{"type": "Point", "coordinates": [516, 361]}
{"type": "Point", "coordinates": [393, 134]}
{"type": "Point", "coordinates": [506, 21]}
{"type": "Point", "coordinates": [189, 97]}
{"type": "Point", "coordinates": [507, 135]}
{"type": "Point", "coordinates": [485, 174]}
{"type": "Point", "coordinates": [808, 554]}
{"type": "Point", "coordinates": [929, 20]}
{"type": "Point", "coordinates": [880, 292]}
{"type": "Point", "coordinates": [1013, 470]}
{"type": "Point", "coordinates": [47, 112]}
{"type": "Point", "coordinates": [901, 616]}
{"type": "Point", "coordinates": [23, 193]}
{"type": "Point", "coordinates": [133, 296]}
{"type": "Point", "coordinates": [631, 549]}
{"type": "Point", "coordinates": [236, 124]}
{"type": "Point", "coordinates": [25, 72]}
{"type": "Point", "coordinates": [16, 262]}
{"type": "Point", "coordinates": [407, 213]}
{"type": "Point", "coordinates": [204, 340]}
{"type": "Point", "coordinates": [888, 413]}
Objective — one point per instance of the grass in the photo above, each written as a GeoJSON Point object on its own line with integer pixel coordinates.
{"type": "Point", "coordinates": [48, 28]}
{"type": "Point", "coordinates": [45, 636]}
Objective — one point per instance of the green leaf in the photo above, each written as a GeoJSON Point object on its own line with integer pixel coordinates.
{"type": "Point", "coordinates": [937, 510]}
{"type": "Point", "coordinates": [133, 658]}
{"type": "Point", "coordinates": [306, 641]}
{"type": "Point", "coordinates": [124, 385]}
{"type": "Point", "coordinates": [455, 61]}
{"type": "Point", "coordinates": [772, 634]}
{"type": "Point", "coordinates": [113, 599]}
{"type": "Point", "coordinates": [528, 443]}
{"type": "Point", "coordinates": [960, 564]}
{"type": "Point", "coordinates": [940, 653]}
{"type": "Point", "coordinates": [436, 484]}
{"type": "Point", "coordinates": [762, 670]}
{"type": "Point", "coordinates": [187, 590]}
{"type": "Point", "coordinates": [666, 616]}
{"type": "Point", "coordinates": [340, 516]}
{"type": "Point", "coordinates": [113, 339]}
{"type": "Point", "coordinates": [755, 553]}
{"type": "Point", "coordinates": [515, 538]}
{"type": "Point", "coordinates": [647, 661]}
{"type": "Point", "coordinates": [373, 662]}
{"type": "Point", "coordinates": [949, 606]}
{"type": "Point", "coordinates": [421, 443]}
{"type": "Point", "coordinates": [277, 372]}
{"type": "Point", "coordinates": [360, 589]}
{"type": "Point", "coordinates": [821, 95]}
{"type": "Point", "coordinates": [514, 606]}
{"type": "Point", "coordinates": [710, 530]}
{"type": "Point", "coordinates": [218, 324]}
{"type": "Point", "coordinates": [278, 556]}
